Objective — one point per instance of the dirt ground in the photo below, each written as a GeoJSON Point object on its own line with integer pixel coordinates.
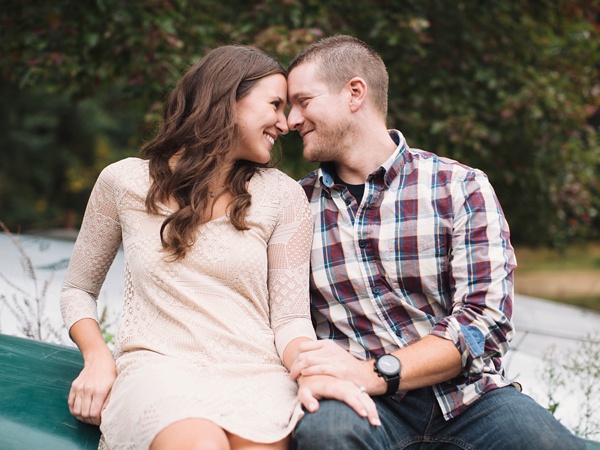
{"type": "Point", "coordinates": [567, 283]}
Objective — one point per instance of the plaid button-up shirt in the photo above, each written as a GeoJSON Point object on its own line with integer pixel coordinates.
{"type": "Point", "coordinates": [426, 252]}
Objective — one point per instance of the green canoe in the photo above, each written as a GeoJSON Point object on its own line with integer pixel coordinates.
{"type": "Point", "coordinates": [35, 378]}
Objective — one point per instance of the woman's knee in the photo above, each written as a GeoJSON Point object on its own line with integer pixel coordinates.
{"type": "Point", "coordinates": [239, 443]}
{"type": "Point", "coordinates": [191, 434]}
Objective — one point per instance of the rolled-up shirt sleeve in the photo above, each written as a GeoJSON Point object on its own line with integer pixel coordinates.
{"type": "Point", "coordinates": [482, 264]}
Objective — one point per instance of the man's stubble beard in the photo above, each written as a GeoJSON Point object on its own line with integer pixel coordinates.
{"type": "Point", "coordinates": [331, 143]}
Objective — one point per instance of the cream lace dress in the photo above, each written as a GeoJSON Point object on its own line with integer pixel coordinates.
{"type": "Point", "coordinates": [202, 337]}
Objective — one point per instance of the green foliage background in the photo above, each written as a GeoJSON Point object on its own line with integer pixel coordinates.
{"type": "Point", "coordinates": [510, 87]}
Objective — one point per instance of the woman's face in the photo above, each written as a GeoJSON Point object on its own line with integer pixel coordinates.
{"type": "Point", "coordinates": [261, 118]}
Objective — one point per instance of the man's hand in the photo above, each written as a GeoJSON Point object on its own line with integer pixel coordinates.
{"type": "Point", "coordinates": [313, 388]}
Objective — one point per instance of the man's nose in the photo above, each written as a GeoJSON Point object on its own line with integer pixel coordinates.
{"type": "Point", "coordinates": [294, 119]}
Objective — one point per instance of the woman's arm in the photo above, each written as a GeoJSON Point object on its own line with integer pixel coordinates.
{"type": "Point", "coordinates": [289, 256]}
{"type": "Point", "coordinates": [94, 251]}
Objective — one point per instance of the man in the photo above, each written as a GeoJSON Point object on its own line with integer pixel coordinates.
{"type": "Point", "coordinates": [412, 278]}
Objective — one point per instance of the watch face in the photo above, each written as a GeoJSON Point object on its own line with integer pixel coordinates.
{"type": "Point", "coordinates": [388, 365]}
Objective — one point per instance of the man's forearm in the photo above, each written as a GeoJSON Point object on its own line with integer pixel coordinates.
{"type": "Point", "coordinates": [429, 361]}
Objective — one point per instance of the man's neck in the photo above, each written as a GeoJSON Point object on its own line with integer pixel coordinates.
{"type": "Point", "coordinates": [364, 157]}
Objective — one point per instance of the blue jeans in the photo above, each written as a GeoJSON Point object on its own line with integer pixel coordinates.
{"type": "Point", "coordinates": [501, 419]}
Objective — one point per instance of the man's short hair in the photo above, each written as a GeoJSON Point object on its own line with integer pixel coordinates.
{"type": "Point", "coordinates": [340, 58]}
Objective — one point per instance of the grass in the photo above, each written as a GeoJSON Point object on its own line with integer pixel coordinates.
{"type": "Point", "coordinates": [569, 276]}
{"type": "Point", "coordinates": [572, 258]}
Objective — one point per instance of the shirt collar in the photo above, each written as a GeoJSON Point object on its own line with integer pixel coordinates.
{"type": "Point", "coordinates": [395, 162]}
{"type": "Point", "coordinates": [390, 167]}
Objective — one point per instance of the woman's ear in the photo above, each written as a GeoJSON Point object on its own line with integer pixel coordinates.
{"type": "Point", "coordinates": [358, 93]}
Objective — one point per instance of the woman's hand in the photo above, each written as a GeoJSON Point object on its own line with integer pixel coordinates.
{"type": "Point", "coordinates": [315, 387]}
{"type": "Point", "coordinates": [90, 391]}
{"type": "Point", "coordinates": [325, 357]}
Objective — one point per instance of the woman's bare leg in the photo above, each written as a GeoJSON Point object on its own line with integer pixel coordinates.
{"type": "Point", "coordinates": [238, 443]}
{"type": "Point", "coordinates": [191, 434]}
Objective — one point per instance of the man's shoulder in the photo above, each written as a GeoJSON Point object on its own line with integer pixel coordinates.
{"type": "Point", "coordinates": [408, 157]}
{"type": "Point", "coordinates": [310, 183]}
{"type": "Point", "coordinates": [433, 162]}
{"type": "Point", "coordinates": [310, 178]}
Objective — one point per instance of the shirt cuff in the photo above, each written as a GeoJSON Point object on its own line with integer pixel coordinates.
{"type": "Point", "coordinates": [469, 341]}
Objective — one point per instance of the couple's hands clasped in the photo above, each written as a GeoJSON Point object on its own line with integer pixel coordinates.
{"type": "Point", "coordinates": [325, 370]}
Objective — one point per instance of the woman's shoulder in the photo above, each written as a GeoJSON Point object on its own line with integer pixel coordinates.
{"type": "Point", "coordinates": [128, 164]}
{"type": "Point", "coordinates": [277, 183]}
{"type": "Point", "coordinates": [272, 175]}
{"type": "Point", "coordinates": [275, 187]}
{"type": "Point", "coordinates": [125, 169]}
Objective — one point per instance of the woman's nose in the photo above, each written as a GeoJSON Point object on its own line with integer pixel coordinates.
{"type": "Point", "coordinates": [282, 125]}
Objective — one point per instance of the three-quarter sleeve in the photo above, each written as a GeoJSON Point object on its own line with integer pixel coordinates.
{"type": "Point", "coordinates": [94, 251]}
{"type": "Point", "coordinates": [289, 265]}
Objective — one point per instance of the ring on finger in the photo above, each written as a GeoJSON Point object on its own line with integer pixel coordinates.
{"type": "Point", "coordinates": [362, 389]}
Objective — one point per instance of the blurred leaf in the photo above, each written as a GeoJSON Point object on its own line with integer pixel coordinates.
{"type": "Point", "coordinates": [512, 88]}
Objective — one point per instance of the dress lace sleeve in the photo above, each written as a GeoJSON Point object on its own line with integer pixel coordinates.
{"type": "Point", "coordinates": [289, 264]}
{"type": "Point", "coordinates": [95, 249]}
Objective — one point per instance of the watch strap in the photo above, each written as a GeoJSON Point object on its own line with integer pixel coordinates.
{"type": "Point", "coordinates": [393, 383]}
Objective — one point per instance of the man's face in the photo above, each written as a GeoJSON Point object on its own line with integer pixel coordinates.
{"type": "Point", "coordinates": [317, 113]}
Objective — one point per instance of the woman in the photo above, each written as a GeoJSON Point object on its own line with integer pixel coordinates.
{"type": "Point", "coordinates": [216, 268]}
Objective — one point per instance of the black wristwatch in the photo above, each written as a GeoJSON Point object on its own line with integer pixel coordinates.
{"type": "Point", "coordinates": [390, 369]}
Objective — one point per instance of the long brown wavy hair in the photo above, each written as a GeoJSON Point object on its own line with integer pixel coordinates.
{"type": "Point", "coordinates": [199, 122]}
